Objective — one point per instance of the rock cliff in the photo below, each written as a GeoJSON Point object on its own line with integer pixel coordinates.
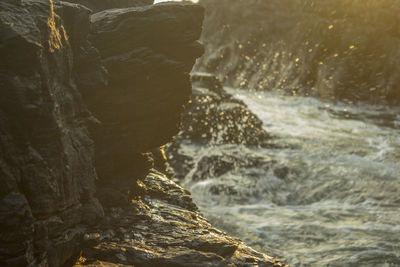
{"type": "Point", "coordinates": [83, 96]}
{"type": "Point", "coordinates": [47, 175]}
{"type": "Point", "coordinates": [149, 57]}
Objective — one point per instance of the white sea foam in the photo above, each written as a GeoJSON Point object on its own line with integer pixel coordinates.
{"type": "Point", "coordinates": [339, 204]}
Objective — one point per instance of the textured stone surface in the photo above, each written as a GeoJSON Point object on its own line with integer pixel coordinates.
{"type": "Point", "coordinates": [148, 52]}
{"type": "Point", "coordinates": [46, 161]}
{"type": "Point", "coordinates": [164, 228]}
{"type": "Point", "coordinates": [134, 81]}
{"type": "Point", "coordinates": [89, 72]}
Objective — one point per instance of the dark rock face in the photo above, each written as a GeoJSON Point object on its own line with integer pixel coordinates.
{"type": "Point", "coordinates": [89, 72]}
{"type": "Point", "coordinates": [163, 228]}
{"type": "Point", "coordinates": [148, 52]}
{"type": "Point", "coordinates": [46, 156]}
{"type": "Point", "coordinates": [62, 97]}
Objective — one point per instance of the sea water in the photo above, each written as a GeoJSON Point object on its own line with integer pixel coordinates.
{"type": "Point", "coordinates": [335, 199]}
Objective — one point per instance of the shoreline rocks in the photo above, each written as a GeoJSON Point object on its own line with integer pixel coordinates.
{"type": "Point", "coordinates": [164, 228]}
{"type": "Point", "coordinates": [83, 97]}
{"type": "Point", "coordinates": [213, 118]}
{"type": "Point", "coordinates": [148, 83]}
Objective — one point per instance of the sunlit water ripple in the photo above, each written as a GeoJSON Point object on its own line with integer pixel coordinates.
{"type": "Point", "coordinates": [339, 203]}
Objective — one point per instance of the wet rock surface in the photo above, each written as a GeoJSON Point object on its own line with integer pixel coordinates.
{"type": "Point", "coordinates": [215, 116]}
{"type": "Point", "coordinates": [215, 119]}
{"type": "Point", "coordinates": [164, 228]}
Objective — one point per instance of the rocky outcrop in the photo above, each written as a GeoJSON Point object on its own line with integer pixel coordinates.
{"type": "Point", "coordinates": [48, 174]}
{"type": "Point", "coordinates": [217, 140]}
{"type": "Point", "coordinates": [164, 228]}
{"type": "Point", "coordinates": [148, 52]}
{"type": "Point", "coordinates": [83, 96]}
{"type": "Point", "coordinates": [46, 156]}
{"type": "Point", "coordinates": [344, 50]}
{"type": "Point", "coordinates": [213, 117]}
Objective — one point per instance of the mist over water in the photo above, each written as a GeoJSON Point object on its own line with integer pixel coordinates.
{"type": "Point", "coordinates": [346, 49]}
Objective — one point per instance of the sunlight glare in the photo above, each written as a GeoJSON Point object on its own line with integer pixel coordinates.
{"type": "Point", "coordinates": [159, 1]}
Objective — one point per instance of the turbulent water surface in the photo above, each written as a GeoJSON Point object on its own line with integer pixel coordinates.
{"type": "Point", "coordinates": [332, 196]}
